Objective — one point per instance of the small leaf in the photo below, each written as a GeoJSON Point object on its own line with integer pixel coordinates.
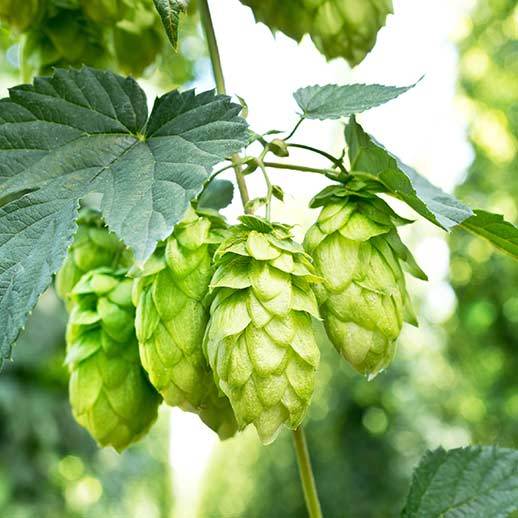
{"type": "Point", "coordinates": [170, 11]}
{"type": "Point", "coordinates": [334, 101]}
{"type": "Point", "coordinates": [254, 205]}
{"type": "Point", "coordinates": [370, 159]}
{"type": "Point", "coordinates": [475, 481]}
{"type": "Point", "coordinates": [278, 192]}
{"type": "Point", "coordinates": [502, 234]}
{"type": "Point", "coordinates": [88, 131]}
{"type": "Point", "coordinates": [217, 195]}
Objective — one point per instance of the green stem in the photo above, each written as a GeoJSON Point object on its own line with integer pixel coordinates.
{"type": "Point", "coordinates": [219, 78]}
{"type": "Point", "coordinates": [336, 162]}
{"type": "Point", "coordinates": [330, 173]}
{"type": "Point", "coordinates": [306, 474]}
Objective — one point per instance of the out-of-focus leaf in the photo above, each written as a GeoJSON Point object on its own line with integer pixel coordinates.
{"type": "Point", "coordinates": [217, 195]}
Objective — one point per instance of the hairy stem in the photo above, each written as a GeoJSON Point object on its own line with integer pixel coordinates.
{"type": "Point", "coordinates": [306, 474]}
{"type": "Point", "coordinates": [217, 68]}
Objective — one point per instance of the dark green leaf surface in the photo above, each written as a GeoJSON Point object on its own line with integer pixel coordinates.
{"type": "Point", "coordinates": [85, 131]}
{"type": "Point", "coordinates": [170, 11]}
{"type": "Point", "coordinates": [217, 195]}
{"type": "Point", "coordinates": [502, 234]}
{"type": "Point", "coordinates": [334, 101]}
{"type": "Point", "coordinates": [475, 481]}
{"type": "Point", "coordinates": [371, 159]}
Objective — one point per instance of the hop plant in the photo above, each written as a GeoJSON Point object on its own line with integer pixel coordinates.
{"type": "Point", "coordinates": [363, 299]}
{"type": "Point", "coordinates": [94, 246]}
{"type": "Point", "coordinates": [339, 28]}
{"type": "Point", "coordinates": [172, 314]}
{"type": "Point", "coordinates": [103, 11]}
{"type": "Point", "coordinates": [109, 391]}
{"type": "Point", "coordinates": [259, 341]}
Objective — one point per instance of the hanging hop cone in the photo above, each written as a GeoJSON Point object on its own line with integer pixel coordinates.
{"type": "Point", "coordinates": [259, 340]}
{"type": "Point", "coordinates": [94, 246]}
{"type": "Point", "coordinates": [172, 314]}
{"type": "Point", "coordinates": [363, 299]}
{"type": "Point", "coordinates": [109, 391]}
{"type": "Point", "coordinates": [339, 28]}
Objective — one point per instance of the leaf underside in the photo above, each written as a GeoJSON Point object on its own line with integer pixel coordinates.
{"type": "Point", "coordinates": [474, 481]}
{"type": "Point", "coordinates": [170, 11]}
{"type": "Point", "coordinates": [84, 131]}
{"type": "Point", "coordinates": [336, 101]}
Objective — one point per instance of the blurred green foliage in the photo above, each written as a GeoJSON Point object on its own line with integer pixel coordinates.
{"type": "Point", "coordinates": [483, 334]}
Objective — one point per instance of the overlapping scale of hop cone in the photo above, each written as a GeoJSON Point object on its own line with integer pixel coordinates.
{"type": "Point", "coordinates": [339, 28]}
{"type": "Point", "coordinates": [172, 314]}
{"type": "Point", "coordinates": [363, 299]}
{"type": "Point", "coordinates": [110, 394]}
{"type": "Point", "coordinates": [94, 247]}
{"type": "Point", "coordinates": [259, 340]}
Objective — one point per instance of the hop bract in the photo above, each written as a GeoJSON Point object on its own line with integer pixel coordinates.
{"type": "Point", "coordinates": [172, 314]}
{"type": "Point", "coordinates": [94, 246]}
{"type": "Point", "coordinates": [363, 299]}
{"type": "Point", "coordinates": [339, 28]}
{"type": "Point", "coordinates": [109, 391]}
{"type": "Point", "coordinates": [259, 340]}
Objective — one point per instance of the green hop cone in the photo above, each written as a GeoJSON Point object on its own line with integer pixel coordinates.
{"type": "Point", "coordinates": [109, 391]}
{"type": "Point", "coordinates": [339, 28]}
{"type": "Point", "coordinates": [259, 341]}
{"type": "Point", "coordinates": [363, 299]}
{"type": "Point", "coordinates": [172, 314]}
{"type": "Point", "coordinates": [94, 246]}
{"type": "Point", "coordinates": [103, 11]}
{"type": "Point", "coordinates": [20, 15]}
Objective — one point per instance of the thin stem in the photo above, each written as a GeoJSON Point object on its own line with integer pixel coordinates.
{"type": "Point", "coordinates": [306, 474]}
{"type": "Point", "coordinates": [219, 78]}
{"type": "Point", "coordinates": [294, 130]}
{"type": "Point", "coordinates": [336, 162]}
{"type": "Point", "coordinates": [331, 173]}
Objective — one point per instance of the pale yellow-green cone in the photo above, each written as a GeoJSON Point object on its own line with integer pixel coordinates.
{"type": "Point", "coordinates": [94, 246]}
{"type": "Point", "coordinates": [339, 28]}
{"type": "Point", "coordinates": [109, 391]}
{"type": "Point", "coordinates": [363, 299]}
{"type": "Point", "coordinates": [259, 341]}
{"type": "Point", "coordinates": [172, 314]}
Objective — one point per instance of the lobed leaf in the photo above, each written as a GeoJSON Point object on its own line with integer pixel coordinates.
{"type": "Point", "coordinates": [84, 131]}
{"type": "Point", "coordinates": [335, 101]}
{"type": "Point", "coordinates": [474, 481]}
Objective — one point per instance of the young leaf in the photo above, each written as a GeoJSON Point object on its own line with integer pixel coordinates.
{"type": "Point", "coordinates": [502, 234]}
{"type": "Point", "coordinates": [474, 481]}
{"type": "Point", "coordinates": [334, 101]}
{"type": "Point", "coordinates": [371, 159]}
{"type": "Point", "coordinates": [217, 195]}
{"type": "Point", "coordinates": [170, 11]}
{"type": "Point", "coordinates": [84, 131]}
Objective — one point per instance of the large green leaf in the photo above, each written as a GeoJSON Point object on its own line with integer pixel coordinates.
{"type": "Point", "coordinates": [85, 131]}
{"type": "Point", "coordinates": [170, 11]}
{"type": "Point", "coordinates": [335, 101]}
{"type": "Point", "coordinates": [476, 481]}
{"type": "Point", "coordinates": [370, 159]}
{"type": "Point", "coordinates": [502, 234]}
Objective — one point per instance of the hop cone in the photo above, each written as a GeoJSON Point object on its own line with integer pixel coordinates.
{"type": "Point", "coordinates": [103, 11]}
{"type": "Point", "coordinates": [172, 314]}
{"type": "Point", "coordinates": [94, 246]}
{"type": "Point", "coordinates": [339, 28]}
{"type": "Point", "coordinates": [259, 340]}
{"type": "Point", "coordinates": [109, 392]}
{"type": "Point", "coordinates": [363, 299]}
